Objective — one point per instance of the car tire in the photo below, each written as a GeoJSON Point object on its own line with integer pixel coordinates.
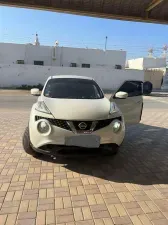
{"type": "Point", "coordinates": [111, 150]}
{"type": "Point", "coordinates": [27, 145]}
{"type": "Point", "coordinates": [147, 86]}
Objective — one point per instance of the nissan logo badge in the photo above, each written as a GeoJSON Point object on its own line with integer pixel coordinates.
{"type": "Point", "coordinates": [82, 126]}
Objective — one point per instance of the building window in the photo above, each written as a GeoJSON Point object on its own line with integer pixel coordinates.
{"type": "Point", "coordinates": [118, 67]}
{"type": "Point", "coordinates": [39, 63]}
{"type": "Point", "coordinates": [20, 61]}
{"type": "Point", "coordinates": [85, 65]}
{"type": "Point", "coordinates": [73, 65]}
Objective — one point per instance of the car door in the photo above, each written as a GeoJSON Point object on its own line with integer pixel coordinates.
{"type": "Point", "coordinates": [132, 106]}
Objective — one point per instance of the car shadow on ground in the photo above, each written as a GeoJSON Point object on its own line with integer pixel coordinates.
{"type": "Point", "coordinates": [142, 159]}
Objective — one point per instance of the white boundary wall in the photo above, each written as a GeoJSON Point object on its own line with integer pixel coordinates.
{"type": "Point", "coordinates": [108, 79]}
{"type": "Point", "coordinates": [146, 63]}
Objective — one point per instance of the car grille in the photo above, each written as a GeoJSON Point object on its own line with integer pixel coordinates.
{"type": "Point", "coordinates": [64, 125]}
{"type": "Point", "coordinates": [104, 123]}
{"type": "Point", "coordinates": [88, 125]}
{"type": "Point", "coordinates": [59, 123]}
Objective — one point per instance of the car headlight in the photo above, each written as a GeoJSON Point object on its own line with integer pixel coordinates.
{"type": "Point", "coordinates": [116, 126]}
{"type": "Point", "coordinates": [113, 108]}
{"type": "Point", "coordinates": [41, 107]}
{"type": "Point", "coordinates": [44, 127]}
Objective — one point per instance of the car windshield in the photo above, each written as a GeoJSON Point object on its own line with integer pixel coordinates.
{"type": "Point", "coordinates": [70, 88]}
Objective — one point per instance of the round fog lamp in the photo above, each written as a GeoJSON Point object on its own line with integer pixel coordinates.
{"type": "Point", "coordinates": [116, 126]}
{"type": "Point", "coordinates": [43, 127]}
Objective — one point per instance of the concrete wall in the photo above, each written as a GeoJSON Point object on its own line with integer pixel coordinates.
{"type": "Point", "coordinates": [146, 63]}
{"type": "Point", "coordinates": [154, 63]}
{"type": "Point", "coordinates": [109, 79]}
{"type": "Point", "coordinates": [155, 77]}
{"type": "Point", "coordinates": [10, 53]}
{"type": "Point", "coordinates": [135, 64]}
{"type": "Point", "coordinates": [38, 53]}
{"type": "Point", "coordinates": [95, 57]}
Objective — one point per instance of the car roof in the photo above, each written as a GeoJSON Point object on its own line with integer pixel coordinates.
{"type": "Point", "coordinates": [70, 76]}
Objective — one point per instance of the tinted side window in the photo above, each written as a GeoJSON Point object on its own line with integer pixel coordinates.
{"type": "Point", "coordinates": [133, 88]}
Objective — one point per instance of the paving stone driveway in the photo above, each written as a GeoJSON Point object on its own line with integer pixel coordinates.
{"type": "Point", "coordinates": [130, 188]}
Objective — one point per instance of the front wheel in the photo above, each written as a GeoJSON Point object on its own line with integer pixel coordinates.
{"type": "Point", "coordinates": [26, 144]}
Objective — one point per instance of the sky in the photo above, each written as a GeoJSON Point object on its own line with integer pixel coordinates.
{"type": "Point", "coordinates": [18, 25]}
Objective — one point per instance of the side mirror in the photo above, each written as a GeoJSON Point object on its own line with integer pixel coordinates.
{"type": "Point", "coordinates": [121, 95]}
{"type": "Point", "coordinates": [35, 92]}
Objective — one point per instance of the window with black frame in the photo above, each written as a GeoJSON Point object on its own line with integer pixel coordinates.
{"type": "Point", "coordinates": [85, 65]}
{"type": "Point", "coordinates": [39, 63]}
{"type": "Point", "coordinates": [20, 61]}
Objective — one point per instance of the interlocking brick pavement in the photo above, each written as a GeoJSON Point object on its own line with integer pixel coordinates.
{"type": "Point", "coordinates": [156, 98]}
{"type": "Point", "coordinates": [129, 188]}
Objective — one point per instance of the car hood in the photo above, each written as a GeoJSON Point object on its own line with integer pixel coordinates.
{"type": "Point", "coordinates": [78, 109]}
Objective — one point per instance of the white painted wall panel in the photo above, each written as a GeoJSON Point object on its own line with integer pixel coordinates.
{"type": "Point", "coordinates": [135, 64]}
{"type": "Point", "coordinates": [15, 75]}
{"type": "Point", "coordinates": [146, 63]}
{"type": "Point", "coordinates": [10, 53]}
{"type": "Point", "coordinates": [154, 63]}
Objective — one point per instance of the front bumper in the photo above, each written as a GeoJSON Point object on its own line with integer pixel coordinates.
{"type": "Point", "coordinates": [57, 135]}
{"type": "Point", "coordinates": [58, 150]}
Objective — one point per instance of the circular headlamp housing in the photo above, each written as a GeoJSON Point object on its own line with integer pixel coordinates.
{"type": "Point", "coordinates": [43, 127]}
{"type": "Point", "coordinates": [116, 126]}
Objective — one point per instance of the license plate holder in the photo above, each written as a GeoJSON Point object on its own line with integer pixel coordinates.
{"type": "Point", "coordinates": [85, 141]}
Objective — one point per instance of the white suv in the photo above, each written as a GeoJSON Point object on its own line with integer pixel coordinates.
{"type": "Point", "coordinates": [73, 112]}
